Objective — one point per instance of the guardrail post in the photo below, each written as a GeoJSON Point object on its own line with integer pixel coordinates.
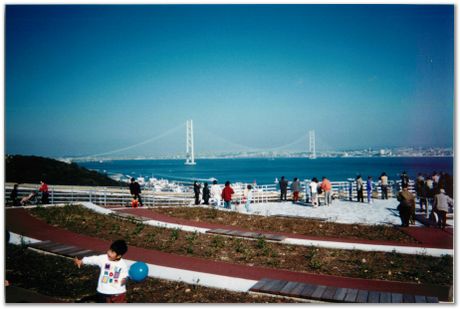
{"type": "Point", "coordinates": [350, 189]}
{"type": "Point", "coordinates": [52, 195]}
{"type": "Point", "coordinates": [105, 196]}
{"type": "Point", "coordinates": [71, 194]}
{"type": "Point", "coordinates": [90, 195]}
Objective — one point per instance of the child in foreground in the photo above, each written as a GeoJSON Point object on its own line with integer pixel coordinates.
{"type": "Point", "coordinates": [111, 285]}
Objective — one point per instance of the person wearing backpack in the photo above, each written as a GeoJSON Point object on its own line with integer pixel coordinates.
{"type": "Point", "coordinates": [406, 203]}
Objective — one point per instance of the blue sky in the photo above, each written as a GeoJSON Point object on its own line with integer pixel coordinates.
{"type": "Point", "coordinates": [92, 79]}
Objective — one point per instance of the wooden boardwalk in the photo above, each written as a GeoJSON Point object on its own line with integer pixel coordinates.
{"type": "Point", "coordinates": [335, 294]}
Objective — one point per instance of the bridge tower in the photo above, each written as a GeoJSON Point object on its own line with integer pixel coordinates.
{"type": "Point", "coordinates": [190, 154]}
{"type": "Point", "coordinates": [312, 144]}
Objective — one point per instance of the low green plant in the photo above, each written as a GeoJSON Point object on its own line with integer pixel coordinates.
{"type": "Point", "coordinates": [150, 237]}
{"type": "Point", "coordinates": [217, 242]}
{"type": "Point", "coordinates": [191, 237]}
{"type": "Point", "coordinates": [239, 247]}
{"type": "Point", "coordinates": [174, 234]}
{"type": "Point", "coordinates": [98, 226]}
{"type": "Point", "coordinates": [261, 243]}
{"type": "Point", "coordinates": [315, 264]}
{"type": "Point", "coordinates": [212, 214]}
{"type": "Point", "coordinates": [138, 229]}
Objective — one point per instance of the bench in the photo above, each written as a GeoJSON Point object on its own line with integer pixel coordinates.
{"type": "Point", "coordinates": [61, 249]}
{"type": "Point", "coordinates": [237, 233]}
{"type": "Point", "coordinates": [126, 216]}
{"type": "Point", "coordinates": [334, 294]}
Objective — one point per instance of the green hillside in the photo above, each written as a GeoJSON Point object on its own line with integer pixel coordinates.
{"type": "Point", "coordinates": [32, 169]}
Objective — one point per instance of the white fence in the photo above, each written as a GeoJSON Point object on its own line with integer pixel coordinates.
{"type": "Point", "coordinates": [115, 196]}
{"type": "Point", "coordinates": [106, 196]}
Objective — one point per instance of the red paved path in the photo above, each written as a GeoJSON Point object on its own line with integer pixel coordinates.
{"type": "Point", "coordinates": [20, 222]}
{"type": "Point", "coordinates": [428, 237]}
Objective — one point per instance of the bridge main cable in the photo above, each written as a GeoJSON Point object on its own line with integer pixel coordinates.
{"type": "Point", "coordinates": [152, 139]}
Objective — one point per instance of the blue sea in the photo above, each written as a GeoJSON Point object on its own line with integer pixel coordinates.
{"type": "Point", "coordinates": [264, 171]}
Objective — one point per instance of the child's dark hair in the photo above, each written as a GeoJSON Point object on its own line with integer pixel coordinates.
{"type": "Point", "coordinates": [119, 247]}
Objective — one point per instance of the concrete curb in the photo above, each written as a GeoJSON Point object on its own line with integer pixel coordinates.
{"type": "Point", "coordinates": [173, 274]}
{"type": "Point", "coordinates": [302, 242]}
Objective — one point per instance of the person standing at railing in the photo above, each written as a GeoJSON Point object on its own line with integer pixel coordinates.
{"type": "Point", "coordinates": [283, 188]}
{"type": "Point", "coordinates": [420, 189]}
{"type": "Point", "coordinates": [406, 204]}
{"type": "Point", "coordinates": [384, 185]}
{"type": "Point", "coordinates": [404, 179]}
{"type": "Point", "coordinates": [307, 191]}
{"type": "Point", "coordinates": [196, 191]}
{"type": "Point", "coordinates": [135, 190]}
{"type": "Point", "coordinates": [441, 205]}
{"type": "Point", "coordinates": [326, 186]}
{"type": "Point", "coordinates": [14, 196]}
{"type": "Point", "coordinates": [206, 194]}
{"type": "Point", "coordinates": [247, 194]}
{"type": "Point", "coordinates": [295, 188]}
{"type": "Point", "coordinates": [314, 192]}
{"type": "Point", "coordinates": [44, 190]}
{"type": "Point", "coordinates": [227, 195]}
{"type": "Point", "coordinates": [216, 193]}
{"type": "Point", "coordinates": [360, 188]}
{"type": "Point", "coordinates": [369, 188]}
{"type": "Point", "coordinates": [429, 192]}
{"type": "Point", "coordinates": [435, 178]}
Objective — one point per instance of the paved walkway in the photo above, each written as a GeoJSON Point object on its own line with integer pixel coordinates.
{"type": "Point", "coordinates": [20, 222]}
{"type": "Point", "coordinates": [427, 237]}
{"type": "Point", "coordinates": [14, 294]}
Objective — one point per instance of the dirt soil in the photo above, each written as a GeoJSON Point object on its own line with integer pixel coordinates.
{"type": "Point", "coordinates": [351, 263]}
{"type": "Point", "coordinates": [300, 226]}
{"type": "Point", "coordinates": [58, 277]}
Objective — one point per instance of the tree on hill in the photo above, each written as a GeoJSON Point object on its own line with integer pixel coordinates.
{"type": "Point", "coordinates": [32, 169]}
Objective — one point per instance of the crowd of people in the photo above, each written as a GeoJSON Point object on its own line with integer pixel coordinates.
{"type": "Point", "coordinates": [430, 190]}
{"type": "Point", "coordinates": [218, 197]}
{"type": "Point", "coordinates": [435, 191]}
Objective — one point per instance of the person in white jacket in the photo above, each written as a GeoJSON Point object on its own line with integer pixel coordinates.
{"type": "Point", "coordinates": [314, 192]}
{"type": "Point", "coordinates": [216, 194]}
{"type": "Point", "coordinates": [441, 204]}
{"type": "Point", "coordinates": [111, 285]}
{"type": "Point", "coordinates": [248, 197]}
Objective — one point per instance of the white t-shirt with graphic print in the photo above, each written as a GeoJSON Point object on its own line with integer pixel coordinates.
{"type": "Point", "coordinates": [113, 276]}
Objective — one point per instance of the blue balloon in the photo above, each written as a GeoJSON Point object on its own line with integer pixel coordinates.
{"type": "Point", "coordinates": [138, 271]}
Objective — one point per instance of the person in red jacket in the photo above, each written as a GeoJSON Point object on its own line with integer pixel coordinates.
{"type": "Point", "coordinates": [326, 186]}
{"type": "Point", "coordinates": [44, 190]}
{"type": "Point", "coordinates": [227, 195]}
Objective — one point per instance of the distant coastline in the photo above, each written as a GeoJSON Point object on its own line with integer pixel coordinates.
{"type": "Point", "coordinates": [366, 153]}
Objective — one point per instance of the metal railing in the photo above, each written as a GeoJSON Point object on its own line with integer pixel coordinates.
{"type": "Point", "coordinates": [106, 196]}
{"type": "Point", "coordinates": [116, 196]}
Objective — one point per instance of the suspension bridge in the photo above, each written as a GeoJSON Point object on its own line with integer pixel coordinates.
{"type": "Point", "coordinates": [307, 143]}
